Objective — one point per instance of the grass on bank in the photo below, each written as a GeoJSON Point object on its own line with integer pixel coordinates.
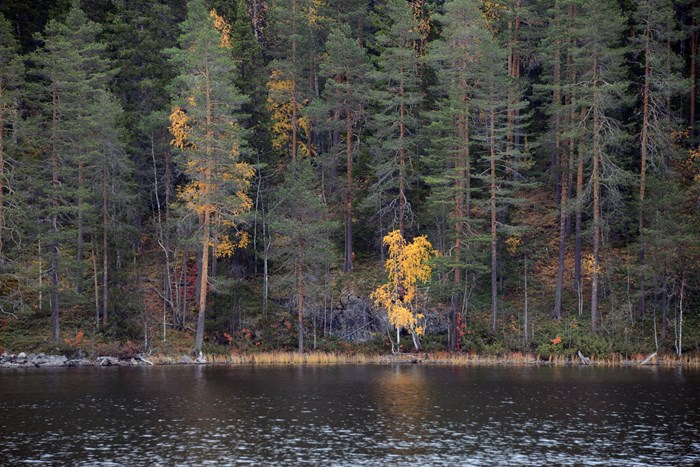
{"type": "Point", "coordinates": [433, 358]}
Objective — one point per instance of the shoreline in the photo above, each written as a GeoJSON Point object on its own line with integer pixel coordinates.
{"type": "Point", "coordinates": [23, 360]}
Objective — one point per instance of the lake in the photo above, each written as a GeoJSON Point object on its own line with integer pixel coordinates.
{"type": "Point", "coordinates": [343, 415]}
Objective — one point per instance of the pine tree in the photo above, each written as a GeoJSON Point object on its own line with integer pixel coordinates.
{"type": "Point", "coordinates": [561, 135]}
{"type": "Point", "coordinates": [661, 83]}
{"type": "Point", "coordinates": [351, 13]}
{"type": "Point", "coordinates": [495, 99]}
{"type": "Point", "coordinates": [300, 229]}
{"type": "Point", "coordinates": [345, 70]}
{"type": "Point", "coordinates": [205, 124]}
{"type": "Point", "coordinates": [598, 59]}
{"type": "Point", "coordinates": [451, 153]}
{"type": "Point", "coordinates": [74, 76]}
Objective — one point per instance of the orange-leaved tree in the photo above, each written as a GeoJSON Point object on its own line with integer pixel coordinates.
{"type": "Point", "coordinates": [407, 265]}
{"type": "Point", "coordinates": [205, 127]}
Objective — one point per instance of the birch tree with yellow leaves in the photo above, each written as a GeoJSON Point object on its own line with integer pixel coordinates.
{"type": "Point", "coordinates": [205, 127]}
{"type": "Point", "coordinates": [407, 265]}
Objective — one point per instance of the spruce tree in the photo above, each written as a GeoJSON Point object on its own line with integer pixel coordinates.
{"type": "Point", "coordinates": [11, 81]}
{"type": "Point", "coordinates": [292, 73]}
{"type": "Point", "coordinates": [205, 124]}
{"type": "Point", "coordinates": [396, 99]}
{"type": "Point", "coordinates": [137, 34]}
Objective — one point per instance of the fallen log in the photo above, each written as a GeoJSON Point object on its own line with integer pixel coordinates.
{"type": "Point", "coordinates": [648, 359]}
{"type": "Point", "coordinates": [143, 359]}
{"type": "Point", "coordinates": [584, 360]}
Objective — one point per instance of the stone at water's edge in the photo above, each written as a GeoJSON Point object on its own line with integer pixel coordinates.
{"type": "Point", "coordinates": [31, 360]}
{"type": "Point", "coordinates": [23, 360]}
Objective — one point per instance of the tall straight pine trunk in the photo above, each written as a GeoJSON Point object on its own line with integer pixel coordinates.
{"type": "Point", "coordinates": [206, 233]}
{"type": "Point", "coordinates": [402, 157]}
{"type": "Point", "coordinates": [55, 330]}
{"type": "Point", "coordinates": [300, 292]}
{"type": "Point", "coordinates": [347, 265]}
{"type": "Point", "coordinates": [494, 263]}
{"type": "Point", "coordinates": [643, 169]}
{"type": "Point", "coordinates": [578, 284]}
{"type": "Point", "coordinates": [596, 198]}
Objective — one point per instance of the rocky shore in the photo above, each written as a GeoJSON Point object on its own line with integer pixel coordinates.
{"type": "Point", "coordinates": [23, 360]}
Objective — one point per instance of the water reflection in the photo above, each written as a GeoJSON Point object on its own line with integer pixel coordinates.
{"type": "Point", "coordinates": [350, 415]}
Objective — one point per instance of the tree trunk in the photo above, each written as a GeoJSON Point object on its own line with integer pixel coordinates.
{"type": "Point", "coordinates": [300, 293]}
{"type": "Point", "coordinates": [2, 171]}
{"type": "Point", "coordinates": [461, 181]}
{"type": "Point", "coordinates": [556, 163]}
{"type": "Point", "coordinates": [563, 212]}
{"type": "Point", "coordinates": [643, 170]}
{"type": "Point", "coordinates": [679, 344]}
{"type": "Point", "coordinates": [80, 250]}
{"type": "Point", "coordinates": [514, 72]}
{"type": "Point", "coordinates": [96, 283]}
{"type": "Point", "coordinates": [267, 242]}
{"type": "Point", "coordinates": [578, 284]}
{"type": "Point", "coordinates": [570, 117]}
{"type": "Point", "coordinates": [347, 265]}
{"type": "Point", "coordinates": [203, 280]}
{"type": "Point", "coordinates": [526, 298]}
{"type": "Point", "coordinates": [206, 234]}
{"type": "Point", "coordinates": [167, 281]}
{"type": "Point", "coordinates": [596, 198]}
{"type": "Point", "coordinates": [105, 247]}
{"type": "Point", "coordinates": [664, 310]}
{"type": "Point", "coordinates": [402, 158]}
{"type": "Point", "coordinates": [693, 70]}
{"type": "Point", "coordinates": [294, 79]}
{"type": "Point", "coordinates": [55, 330]}
{"type": "Point", "coordinates": [494, 284]}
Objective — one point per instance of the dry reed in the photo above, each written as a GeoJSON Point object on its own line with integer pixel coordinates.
{"type": "Point", "coordinates": [433, 358]}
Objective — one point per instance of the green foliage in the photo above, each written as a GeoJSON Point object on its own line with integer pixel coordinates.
{"type": "Point", "coordinates": [429, 117]}
{"type": "Point", "coordinates": [300, 230]}
{"type": "Point", "coordinates": [395, 103]}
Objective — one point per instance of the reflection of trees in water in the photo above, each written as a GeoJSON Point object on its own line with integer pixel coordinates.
{"type": "Point", "coordinates": [404, 401]}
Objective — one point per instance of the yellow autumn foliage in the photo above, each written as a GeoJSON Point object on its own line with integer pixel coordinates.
{"type": "Point", "coordinates": [492, 11]}
{"type": "Point", "coordinates": [226, 246]}
{"type": "Point", "coordinates": [179, 128]}
{"type": "Point", "coordinates": [512, 244]}
{"type": "Point", "coordinates": [224, 29]}
{"type": "Point", "coordinates": [407, 265]}
{"type": "Point", "coordinates": [281, 104]}
{"type": "Point", "coordinates": [313, 14]}
{"type": "Point", "coordinates": [423, 28]}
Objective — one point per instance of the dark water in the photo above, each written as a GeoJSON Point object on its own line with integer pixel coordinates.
{"type": "Point", "coordinates": [408, 415]}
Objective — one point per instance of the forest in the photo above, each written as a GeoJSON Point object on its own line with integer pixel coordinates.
{"type": "Point", "coordinates": [476, 176]}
